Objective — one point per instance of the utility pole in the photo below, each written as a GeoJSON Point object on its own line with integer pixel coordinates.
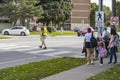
{"type": "Point", "coordinates": [100, 5]}
{"type": "Point", "coordinates": [100, 27]}
{"type": "Point", "coordinates": [113, 7]}
{"type": "Point", "coordinates": [113, 11]}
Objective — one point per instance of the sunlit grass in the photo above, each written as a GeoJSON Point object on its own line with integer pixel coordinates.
{"type": "Point", "coordinates": [4, 37]}
{"type": "Point", "coordinates": [110, 74]}
{"type": "Point", "coordinates": [39, 70]}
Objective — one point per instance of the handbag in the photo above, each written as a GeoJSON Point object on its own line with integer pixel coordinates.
{"type": "Point", "coordinates": [93, 41]}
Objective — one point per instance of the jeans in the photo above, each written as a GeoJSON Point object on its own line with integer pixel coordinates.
{"type": "Point", "coordinates": [96, 53]}
{"type": "Point", "coordinates": [101, 60]}
{"type": "Point", "coordinates": [113, 53]}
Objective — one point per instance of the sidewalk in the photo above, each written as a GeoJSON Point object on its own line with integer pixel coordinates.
{"type": "Point", "coordinates": [82, 72]}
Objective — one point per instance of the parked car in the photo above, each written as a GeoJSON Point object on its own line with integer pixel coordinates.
{"type": "Point", "coordinates": [16, 30]}
{"type": "Point", "coordinates": [76, 29]}
{"type": "Point", "coordinates": [83, 31]}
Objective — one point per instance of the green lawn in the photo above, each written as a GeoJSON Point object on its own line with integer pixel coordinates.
{"type": "Point", "coordinates": [34, 33]}
{"type": "Point", "coordinates": [64, 33]}
{"type": "Point", "coordinates": [39, 70]}
{"type": "Point", "coordinates": [4, 37]}
{"type": "Point", "coordinates": [57, 33]}
{"type": "Point", "coordinates": [110, 74]}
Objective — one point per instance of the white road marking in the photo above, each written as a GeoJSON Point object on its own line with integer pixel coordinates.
{"type": "Point", "coordinates": [31, 50]}
{"type": "Point", "coordinates": [17, 60]}
{"type": "Point", "coordinates": [57, 53]}
{"type": "Point", "coordinates": [40, 51]}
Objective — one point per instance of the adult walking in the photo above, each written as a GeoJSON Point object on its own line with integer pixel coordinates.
{"type": "Point", "coordinates": [90, 51]}
{"type": "Point", "coordinates": [43, 36]}
{"type": "Point", "coordinates": [106, 39]}
{"type": "Point", "coordinates": [112, 46]}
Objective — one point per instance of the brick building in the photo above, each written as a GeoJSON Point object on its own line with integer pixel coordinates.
{"type": "Point", "coordinates": [80, 13]}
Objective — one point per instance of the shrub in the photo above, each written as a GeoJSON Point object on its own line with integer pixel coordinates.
{"type": "Point", "coordinates": [51, 29]}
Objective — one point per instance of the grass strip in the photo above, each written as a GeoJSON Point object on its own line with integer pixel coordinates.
{"type": "Point", "coordinates": [57, 33]}
{"type": "Point", "coordinates": [34, 33]}
{"type": "Point", "coordinates": [39, 70]}
{"type": "Point", "coordinates": [4, 37]}
{"type": "Point", "coordinates": [64, 33]}
{"type": "Point", "coordinates": [110, 74]}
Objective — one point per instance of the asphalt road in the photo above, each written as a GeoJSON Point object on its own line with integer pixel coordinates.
{"type": "Point", "coordinates": [24, 49]}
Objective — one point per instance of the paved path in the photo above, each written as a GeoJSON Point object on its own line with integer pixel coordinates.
{"type": "Point", "coordinates": [82, 72]}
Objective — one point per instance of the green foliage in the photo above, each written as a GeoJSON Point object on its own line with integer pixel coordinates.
{"type": "Point", "coordinates": [57, 11]}
{"type": "Point", "coordinates": [94, 8]}
{"type": "Point", "coordinates": [107, 12]}
{"type": "Point", "coordinates": [118, 10]}
{"type": "Point", "coordinates": [51, 29]}
{"type": "Point", "coordinates": [21, 9]}
{"type": "Point", "coordinates": [39, 70]}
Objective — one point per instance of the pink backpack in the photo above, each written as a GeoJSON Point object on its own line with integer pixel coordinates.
{"type": "Point", "coordinates": [102, 52]}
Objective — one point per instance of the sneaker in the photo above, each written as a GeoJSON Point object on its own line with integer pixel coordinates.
{"type": "Point", "coordinates": [45, 48]}
{"type": "Point", "coordinates": [88, 63]}
{"type": "Point", "coordinates": [114, 62]}
{"type": "Point", "coordinates": [100, 64]}
{"type": "Point", "coordinates": [109, 62]}
{"type": "Point", "coordinates": [40, 46]}
{"type": "Point", "coordinates": [92, 63]}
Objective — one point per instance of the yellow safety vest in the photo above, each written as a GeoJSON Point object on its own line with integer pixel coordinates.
{"type": "Point", "coordinates": [44, 32]}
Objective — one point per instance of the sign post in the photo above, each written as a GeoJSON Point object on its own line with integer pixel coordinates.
{"type": "Point", "coordinates": [99, 20]}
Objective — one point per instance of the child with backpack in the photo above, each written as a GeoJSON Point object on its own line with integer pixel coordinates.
{"type": "Point", "coordinates": [106, 38]}
{"type": "Point", "coordinates": [102, 52]}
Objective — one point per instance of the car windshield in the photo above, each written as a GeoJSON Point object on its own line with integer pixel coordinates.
{"type": "Point", "coordinates": [85, 28]}
{"type": "Point", "coordinates": [18, 27]}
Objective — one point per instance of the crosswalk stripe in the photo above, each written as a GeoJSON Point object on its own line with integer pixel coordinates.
{"type": "Point", "coordinates": [40, 51]}
{"type": "Point", "coordinates": [57, 53]}
{"type": "Point", "coordinates": [13, 47]}
{"type": "Point", "coordinates": [32, 50]}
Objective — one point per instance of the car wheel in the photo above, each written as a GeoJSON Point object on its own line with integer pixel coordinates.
{"type": "Point", "coordinates": [23, 34]}
{"type": "Point", "coordinates": [6, 33]}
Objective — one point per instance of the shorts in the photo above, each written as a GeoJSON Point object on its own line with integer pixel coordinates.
{"type": "Point", "coordinates": [87, 45]}
{"type": "Point", "coordinates": [42, 38]}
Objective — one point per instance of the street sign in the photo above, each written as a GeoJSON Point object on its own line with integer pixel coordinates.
{"type": "Point", "coordinates": [99, 21]}
{"type": "Point", "coordinates": [114, 20]}
{"type": "Point", "coordinates": [99, 16]}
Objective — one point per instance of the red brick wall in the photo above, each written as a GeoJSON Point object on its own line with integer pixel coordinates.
{"type": "Point", "coordinates": [80, 11]}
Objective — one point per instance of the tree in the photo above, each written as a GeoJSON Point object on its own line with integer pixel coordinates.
{"type": "Point", "coordinates": [94, 8]}
{"type": "Point", "coordinates": [118, 9]}
{"type": "Point", "coordinates": [20, 9]}
{"type": "Point", "coordinates": [57, 11]}
{"type": "Point", "coordinates": [107, 12]}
